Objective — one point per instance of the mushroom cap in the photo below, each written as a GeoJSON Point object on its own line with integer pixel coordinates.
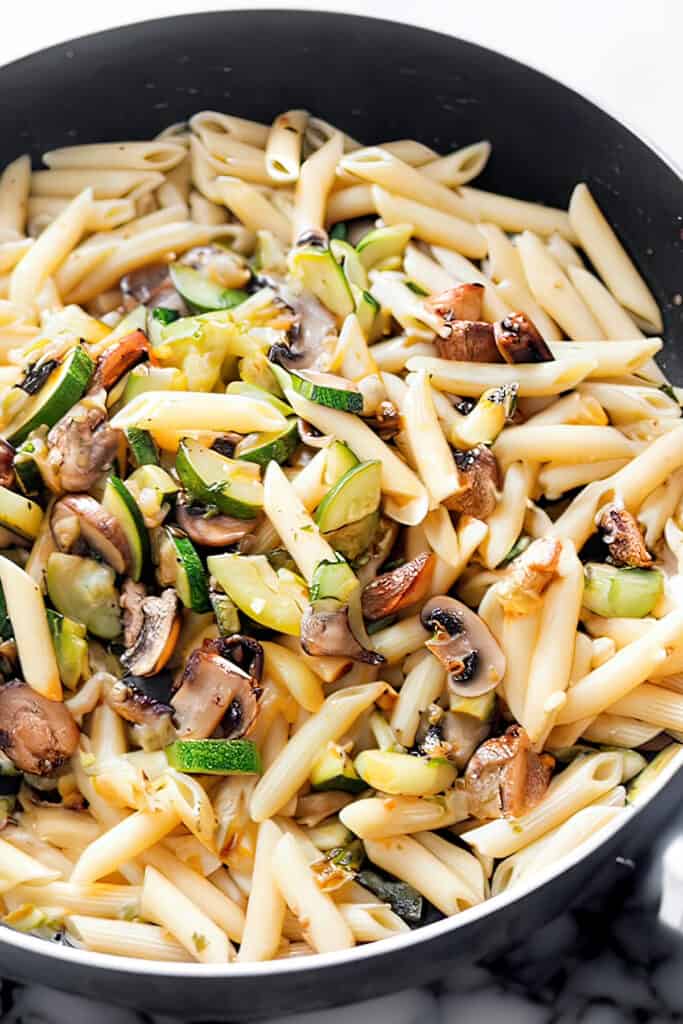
{"type": "Point", "coordinates": [151, 285]}
{"type": "Point", "coordinates": [519, 340]}
{"type": "Point", "coordinates": [399, 588]}
{"type": "Point", "coordinates": [80, 516]}
{"type": "Point", "coordinates": [623, 536]}
{"type": "Point", "coordinates": [464, 302]}
{"type": "Point", "coordinates": [480, 479]}
{"type": "Point", "coordinates": [326, 631]}
{"type": "Point", "coordinates": [506, 777]}
{"type": "Point", "coordinates": [38, 734]}
{"type": "Point", "coordinates": [140, 701]}
{"type": "Point", "coordinates": [211, 531]}
{"type": "Point", "coordinates": [120, 357]}
{"type": "Point", "coordinates": [82, 445]}
{"type": "Point", "coordinates": [213, 687]}
{"type": "Point", "coordinates": [156, 639]}
{"type": "Point", "coordinates": [6, 463]}
{"type": "Point", "coordinates": [470, 341]}
{"type": "Point", "coordinates": [464, 645]}
{"type": "Point", "coordinates": [313, 324]}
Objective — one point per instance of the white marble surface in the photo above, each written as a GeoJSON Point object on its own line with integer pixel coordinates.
{"type": "Point", "coordinates": [605, 965]}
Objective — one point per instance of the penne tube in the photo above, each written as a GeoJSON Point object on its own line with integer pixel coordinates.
{"type": "Point", "coordinates": [351, 203]}
{"type": "Point", "coordinates": [618, 731]}
{"type": "Point", "coordinates": [266, 906]}
{"type": "Point", "coordinates": [15, 185]}
{"type": "Point", "coordinates": [105, 183]}
{"type": "Point", "coordinates": [63, 828]}
{"type": "Point", "coordinates": [563, 252]}
{"type": "Point", "coordinates": [614, 321]}
{"type": "Point", "coordinates": [554, 291]}
{"type": "Point", "coordinates": [291, 767]}
{"type": "Point", "coordinates": [519, 215]}
{"type": "Point", "coordinates": [472, 379]}
{"type": "Point", "coordinates": [17, 868]}
{"type": "Point", "coordinates": [124, 841]}
{"type": "Point", "coordinates": [125, 938]}
{"type": "Point", "coordinates": [382, 817]}
{"type": "Point", "coordinates": [628, 403]}
{"type": "Point", "coordinates": [253, 209]}
{"type": "Point", "coordinates": [613, 360]}
{"type": "Point", "coordinates": [660, 506]}
{"type": "Point", "coordinates": [395, 642]}
{"type": "Point", "coordinates": [459, 167]}
{"type": "Point", "coordinates": [203, 211]}
{"type": "Point", "coordinates": [555, 479]}
{"type": "Point", "coordinates": [503, 262]}
{"type": "Point", "coordinates": [183, 411]}
{"type": "Point", "coordinates": [461, 862]}
{"type": "Point", "coordinates": [518, 640]}
{"type": "Point", "coordinates": [506, 521]}
{"type": "Point", "coordinates": [371, 922]}
{"type": "Point", "coordinates": [157, 155]}
{"type": "Point", "coordinates": [26, 611]}
{"type": "Point", "coordinates": [609, 257]}
{"type": "Point", "coordinates": [296, 529]}
{"type": "Point", "coordinates": [652, 704]}
{"type": "Point", "coordinates": [514, 295]}
{"type": "Point", "coordinates": [393, 294]}
{"type": "Point", "coordinates": [287, 670]}
{"type": "Point", "coordinates": [423, 684]}
{"type": "Point", "coordinates": [408, 860]}
{"type": "Point", "coordinates": [284, 144]}
{"type": "Point", "coordinates": [392, 355]}
{"type": "Point", "coordinates": [252, 132]}
{"type": "Point", "coordinates": [434, 458]}
{"type": "Point", "coordinates": [578, 407]}
{"type": "Point", "coordinates": [166, 905]}
{"type": "Point", "coordinates": [314, 184]}
{"type": "Point", "coordinates": [559, 443]}
{"type": "Point", "coordinates": [94, 899]}
{"type": "Point", "coordinates": [584, 781]}
{"type": "Point", "coordinates": [430, 225]}
{"type": "Point", "coordinates": [442, 537]}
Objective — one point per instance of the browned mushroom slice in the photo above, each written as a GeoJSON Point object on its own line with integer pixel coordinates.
{"type": "Point", "coordinates": [454, 736]}
{"type": "Point", "coordinates": [79, 517]}
{"type": "Point", "coordinates": [155, 642]}
{"type": "Point", "coordinates": [326, 631]}
{"type": "Point", "coordinates": [622, 535]}
{"type": "Point", "coordinates": [132, 596]}
{"type": "Point", "coordinates": [470, 341]}
{"type": "Point", "coordinates": [140, 701]}
{"type": "Point", "coordinates": [464, 645]}
{"type": "Point", "coordinates": [313, 808]}
{"type": "Point", "coordinates": [39, 735]}
{"type": "Point", "coordinates": [211, 531]}
{"type": "Point", "coordinates": [211, 689]}
{"type": "Point", "coordinates": [529, 574]}
{"type": "Point", "coordinates": [479, 482]}
{"type": "Point", "coordinates": [121, 357]}
{"type": "Point", "coordinates": [506, 778]}
{"type": "Point", "coordinates": [464, 302]}
{"type": "Point", "coordinates": [151, 285]}
{"type": "Point", "coordinates": [399, 588]}
{"type": "Point", "coordinates": [519, 340]}
{"type": "Point", "coordinates": [6, 463]}
{"type": "Point", "coordinates": [82, 446]}
{"type": "Point", "coordinates": [312, 325]}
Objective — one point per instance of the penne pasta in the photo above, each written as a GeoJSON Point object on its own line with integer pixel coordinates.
{"type": "Point", "coordinates": [430, 225]}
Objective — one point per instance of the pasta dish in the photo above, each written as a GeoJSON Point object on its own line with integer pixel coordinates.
{"type": "Point", "coordinates": [341, 517]}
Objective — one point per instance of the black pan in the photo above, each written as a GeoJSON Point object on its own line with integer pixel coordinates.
{"type": "Point", "coordinates": [378, 80]}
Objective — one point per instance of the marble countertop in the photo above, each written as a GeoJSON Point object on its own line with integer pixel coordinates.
{"type": "Point", "coordinates": [608, 963]}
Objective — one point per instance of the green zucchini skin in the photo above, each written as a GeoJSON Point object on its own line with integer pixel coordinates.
{"type": "Point", "coordinates": [201, 293]}
{"type": "Point", "coordinates": [326, 389]}
{"type": "Point", "coordinates": [63, 389]}
{"type": "Point", "coordinates": [215, 757]}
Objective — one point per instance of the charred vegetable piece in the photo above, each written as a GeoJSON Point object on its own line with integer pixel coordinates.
{"type": "Point", "coordinates": [215, 757]}
{"type": "Point", "coordinates": [401, 897]}
{"type": "Point", "coordinates": [530, 573]}
{"type": "Point", "coordinates": [399, 588]}
{"type": "Point", "coordinates": [121, 357]}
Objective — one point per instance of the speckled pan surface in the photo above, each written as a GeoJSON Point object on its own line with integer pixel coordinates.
{"type": "Point", "coordinates": [377, 80]}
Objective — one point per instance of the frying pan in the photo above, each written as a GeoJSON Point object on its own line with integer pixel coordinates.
{"type": "Point", "coordinates": [378, 80]}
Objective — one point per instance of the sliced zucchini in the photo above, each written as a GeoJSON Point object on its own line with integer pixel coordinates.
{"type": "Point", "coordinates": [353, 539]}
{"type": "Point", "coordinates": [155, 478]}
{"type": "Point", "coordinates": [339, 231]}
{"type": "Point", "coordinates": [319, 272]}
{"type": "Point", "coordinates": [201, 293]}
{"type": "Point", "coordinates": [274, 599]}
{"type": "Point", "coordinates": [367, 308]}
{"type": "Point", "coordinates": [485, 422]}
{"type": "Point", "coordinates": [621, 593]}
{"type": "Point", "coordinates": [355, 272]}
{"type": "Point", "coordinates": [143, 449]}
{"type": "Point", "coordinates": [83, 590]}
{"type": "Point", "coordinates": [481, 708]}
{"type": "Point", "coordinates": [215, 757]}
{"type": "Point", "coordinates": [384, 245]}
{"type": "Point", "coordinates": [122, 505]}
{"type": "Point", "coordinates": [327, 389]}
{"type": "Point", "coordinates": [263, 448]}
{"type": "Point", "coordinates": [637, 790]}
{"type": "Point", "coordinates": [227, 616]}
{"type": "Point", "coordinates": [165, 316]}
{"type": "Point", "coordinates": [401, 897]}
{"type": "Point", "coordinates": [151, 378]}
{"type": "Point", "coordinates": [190, 578]}
{"type": "Point", "coordinates": [214, 480]}
{"type": "Point", "coordinates": [19, 514]}
{"type": "Point", "coordinates": [26, 465]}
{"type": "Point", "coordinates": [62, 389]}
{"type": "Point", "coordinates": [71, 648]}
{"type": "Point", "coordinates": [338, 460]}
{"type": "Point", "coordinates": [355, 495]}
{"type": "Point", "coordinates": [241, 387]}
{"type": "Point", "coordinates": [333, 769]}
{"type": "Point", "coordinates": [334, 580]}
{"type": "Point", "coordinates": [404, 774]}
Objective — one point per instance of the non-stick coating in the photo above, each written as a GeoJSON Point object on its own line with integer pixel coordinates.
{"type": "Point", "coordinates": [379, 81]}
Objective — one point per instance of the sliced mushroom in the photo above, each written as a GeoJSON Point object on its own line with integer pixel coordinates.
{"type": "Point", "coordinates": [326, 630]}
{"type": "Point", "coordinates": [313, 808]}
{"type": "Point", "coordinates": [155, 642]}
{"type": "Point", "coordinates": [479, 482]}
{"type": "Point", "coordinates": [519, 340]}
{"type": "Point", "coordinates": [121, 357]}
{"type": "Point", "coordinates": [623, 537]}
{"type": "Point", "coordinates": [454, 736]}
{"type": "Point", "coordinates": [82, 446]}
{"type": "Point", "coordinates": [470, 341]}
{"type": "Point", "coordinates": [529, 574]}
{"type": "Point", "coordinates": [506, 778]}
{"type": "Point", "coordinates": [464, 302]}
{"type": "Point", "coordinates": [151, 286]}
{"type": "Point", "coordinates": [312, 326]}
{"type": "Point", "coordinates": [378, 552]}
{"type": "Point", "coordinates": [464, 645]}
{"type": "Point", "coordinates": [132, 596]}
{"type": "Point", "coordinates": [212, 688]}
{"type": "Point", "coordinates": [39, 735]}
{"type": "Point", "coordinates": [211, 531]}
{"type": "Point", "coordinates": [78, 517]}
{"type": "Point", "coordinates": [387, 420]}
{"type": "Point", "coordinates": [140, 701]}
{"type": "Point", "coordinates": [6, 463]}
{"type": "Point", "coordinates": [399, 588]}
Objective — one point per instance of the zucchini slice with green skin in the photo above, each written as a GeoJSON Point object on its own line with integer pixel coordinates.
{"type": "Point", "coordinates": [26, 467]}
{"type": "Point", "coordinates": [383, 244]}
{"type": "Point", "coordinates": [151, 378]}
{"type": "Point", "coordinates": [334, 580]}
{"type": "Point", "coordinates": [63, 388]}
{"type": "Point", "coordinates": [340, 231]}
{"type": "Point", "coordinates": [355, 495]}
{"type": "Point", "coordinates": [401, 897]}
{"type": "Point", "coordinates": [201, 293]}
{"type": "Point", "coordinates": [367, 308]}
{"type": "Point", "coordinates": [214, 480]}
{"type": "Point", "coordinates": [143, 450]}
{"type": "Point", "coordinates": [19, 514]}
{"type": "Point", "coordinates": [274, 599]}
{"type": "Point", "coordinates": [264, 448]}
{"type": "Point", "coordinates": [84, 590]}
{"type": "Point", "coordinates": [71, 648]}
{"type": "Point", "coordinates": [353, 539]}
{"type": "Point", "coordinates": [241, 387]}
{"type": "Point", "coordinates": [327, 389]}
{"type": "Point", "coordinates": [338, 460]}
{"type": "Point", "coordinates": [355, 272]}
{"type": "Point", "coordinates": [215, 757]}
{"type": "Point", "coordinates": [319, 272]}
{"type": "Point", "coordinates": [333, 769]}
{"type": "Point", "coordinates": [476, 707]}
{"type": "Point", "coordinates": [190, 579]}
{"type": "Point", "coordinates": [120, 503]}
{"type": "Point", "coordinates": [227, 616]}
{"type": "Point", "coordinates": [621, 593]}
{"type": "Point", "coordinates": [156, 478]}
{"type": "Point", "coordinates": [637, 789]}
